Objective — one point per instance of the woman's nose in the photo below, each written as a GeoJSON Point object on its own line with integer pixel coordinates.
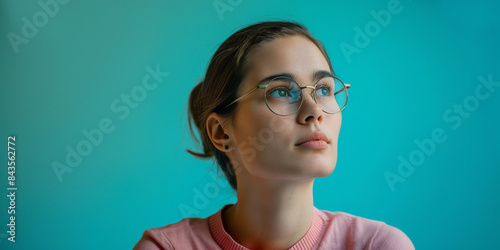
{"type": "Point", "coordinates": [309, 111]}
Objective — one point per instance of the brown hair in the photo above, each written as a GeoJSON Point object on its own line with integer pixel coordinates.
{"type": "Point", "coordinates": [227, 69]}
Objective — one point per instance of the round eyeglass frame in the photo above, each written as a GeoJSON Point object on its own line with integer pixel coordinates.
{"type": "Point", "coordinates": [264, 86]}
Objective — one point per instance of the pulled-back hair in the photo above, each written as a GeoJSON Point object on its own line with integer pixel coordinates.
{"type": "Point", "coordinates": [227, 69]}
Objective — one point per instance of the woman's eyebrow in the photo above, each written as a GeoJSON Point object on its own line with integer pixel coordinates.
{"type": "Point", "coordinates": [315, 76]}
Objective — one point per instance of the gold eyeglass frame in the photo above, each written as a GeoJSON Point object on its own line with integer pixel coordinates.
{"type": "Point", "coordinates": [263, 86]}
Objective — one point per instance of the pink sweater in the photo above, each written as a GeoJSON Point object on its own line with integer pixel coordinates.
{"type": "Point", "coordinates": [329, 230]}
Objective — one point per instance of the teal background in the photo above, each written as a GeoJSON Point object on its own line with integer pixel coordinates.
{"type": "Point", "coordinates": [64, 80]}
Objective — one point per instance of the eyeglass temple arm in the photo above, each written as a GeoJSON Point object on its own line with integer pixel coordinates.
{"type": "Point", "coordinates": [249, 92]}
{"type": "Point", "coordinates": [347, 85]}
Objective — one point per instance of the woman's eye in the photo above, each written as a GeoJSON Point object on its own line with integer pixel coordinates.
{"type": "Point", "coordinates": [323, 91]}
{"type": "Point", "coordinates": [280, 92]}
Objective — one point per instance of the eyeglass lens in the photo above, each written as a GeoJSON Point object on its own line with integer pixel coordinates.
{"type": "Point", "coordinates": [284, 96]}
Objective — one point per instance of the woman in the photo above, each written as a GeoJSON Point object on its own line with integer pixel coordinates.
{"type": "Point", "coordinates": [269, 111]}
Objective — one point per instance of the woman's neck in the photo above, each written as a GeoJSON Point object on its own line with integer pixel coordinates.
{"type": "Point", "coordinates": [270, 215]}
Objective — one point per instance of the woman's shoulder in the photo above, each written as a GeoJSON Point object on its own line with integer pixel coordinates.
{"type": "Point", "coordinates": [173, 235]}
{"type": "Point", "coordinates": [356, 231]}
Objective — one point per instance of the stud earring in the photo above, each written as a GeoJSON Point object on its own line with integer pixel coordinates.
{"type": "Point", "coordinates": [226, 147]}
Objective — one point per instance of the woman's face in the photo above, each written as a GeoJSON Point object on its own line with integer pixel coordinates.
{"type": "Point", "coordinates": [271, 146]}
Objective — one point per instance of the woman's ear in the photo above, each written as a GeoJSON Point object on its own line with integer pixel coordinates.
{"type": "Point", "coordinates": [218, 133]}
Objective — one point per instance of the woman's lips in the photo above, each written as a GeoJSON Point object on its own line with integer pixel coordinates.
{"type": "Point", "coordinates": [315, 140]}
{"type": "Point", "coordinates": [316, 144]}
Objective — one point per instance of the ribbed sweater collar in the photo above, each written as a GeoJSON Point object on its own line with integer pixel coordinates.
{"type": "Point", "coordinates": [226, 242]}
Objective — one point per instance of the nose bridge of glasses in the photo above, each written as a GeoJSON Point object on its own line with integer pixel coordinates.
{"type": "Point", "coordinates": [311, 95]}
{"type": "Point", "coordinates": [308, 87]}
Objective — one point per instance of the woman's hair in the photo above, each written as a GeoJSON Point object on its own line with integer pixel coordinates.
{"type": "Point", "coordinates": [227, 69]}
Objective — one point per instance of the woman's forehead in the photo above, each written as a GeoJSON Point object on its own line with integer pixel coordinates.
{"type": "Point", "coordinates": [296, 55]}
{"type": "Point", "coordinates": [292, 53]}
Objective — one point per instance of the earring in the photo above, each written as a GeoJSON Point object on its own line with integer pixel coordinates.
{"type": "Point", "coordinates": [226, 147]}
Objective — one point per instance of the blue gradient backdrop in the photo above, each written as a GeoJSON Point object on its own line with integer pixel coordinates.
{"type": "Point", "coordinates": [408, 76]}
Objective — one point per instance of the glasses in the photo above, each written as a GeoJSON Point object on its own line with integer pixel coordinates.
{"type": "Point", "coordinates": [284, 95]}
